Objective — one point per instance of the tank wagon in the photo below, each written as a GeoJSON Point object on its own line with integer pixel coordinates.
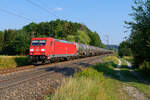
{"type": "Point", "coordinates": [48, 49]}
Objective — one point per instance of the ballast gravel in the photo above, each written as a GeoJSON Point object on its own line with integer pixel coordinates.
{"type": "Point", "coordinates": [35, 88]}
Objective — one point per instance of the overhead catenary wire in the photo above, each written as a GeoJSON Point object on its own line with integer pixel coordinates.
{"type": "Point", "coordinates": [51, 9]}
{"type": "Point", "coordinates": [43, 8]}
{"type": "Point", "coordinates": [15, 14]}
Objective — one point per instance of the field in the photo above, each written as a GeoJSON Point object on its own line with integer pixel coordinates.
{"type": "Point", "coordinates": [13, 61]}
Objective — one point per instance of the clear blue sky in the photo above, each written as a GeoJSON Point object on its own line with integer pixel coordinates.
{"type": "Point", "coordinates": [103, 16]}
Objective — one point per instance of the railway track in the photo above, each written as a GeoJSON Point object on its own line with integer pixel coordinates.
{"type": "Point", "coordinates": [6, 71]}
{"type": "Point", "coordinates": [23, 84]}
{"type": "Point", "coordinates": [33, 72]}
{"type": "Point", "coordinates": [17, 69]}
{"type": "Point", "coordinates": [32, 68]}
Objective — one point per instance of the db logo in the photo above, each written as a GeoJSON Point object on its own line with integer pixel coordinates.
{"type": "Point", "coordinates": [37, 49]}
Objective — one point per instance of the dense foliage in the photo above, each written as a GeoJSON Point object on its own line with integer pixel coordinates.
{"type": "Point", "coordinates": [14, 42]}
{"type": "Point", "coordinates": [124, 49]}
{"type": "Point", "coordinates": [140, 33]}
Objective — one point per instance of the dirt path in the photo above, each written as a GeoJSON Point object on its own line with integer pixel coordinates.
{"type": "Point", "coordinates": [132, 91]}
{"type": "Point", "coordinates": [118, 69]}
{"type": "Point", "coordinates": [119, 65]}
{"type": "Point", "coordinates": [136, 74]}
{"type": "Point", "coordinates": [129, 64]}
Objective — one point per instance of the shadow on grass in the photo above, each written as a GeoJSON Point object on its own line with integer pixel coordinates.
{"type": "Point", "coordinates": [108, 70]}
{"type": "Point", "coordinates": [22, 61]}
{"type": "Point", "coordinates": [125, 66]}
{"type": "Point", "coordinates": [144, 75]}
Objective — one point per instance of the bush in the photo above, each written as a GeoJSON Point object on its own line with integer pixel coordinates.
{"type": "Point", "coordinates": [124, 49]}
{"type": "Point", "coordinates": [145, 67]}
{"type": "Point", "coordinates": [111, 58]}
{"type": "Point", "coordinates": [90, 73]}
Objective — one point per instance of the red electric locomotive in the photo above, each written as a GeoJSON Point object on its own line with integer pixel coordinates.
{"type": "Point", "coordinates": [50, 49]}
{"type": "Point", "coordinates": [46, 49]}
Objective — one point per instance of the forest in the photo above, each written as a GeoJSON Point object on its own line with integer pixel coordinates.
{"type": "Point", "coordinates": [17, 42]}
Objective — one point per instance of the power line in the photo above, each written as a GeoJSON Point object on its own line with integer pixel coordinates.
{"type": "Point", "coordinates": [15, 14]}
{"type": "Point", "coordinates": [107, 39]}
{"type": "Point", "coordinates": [44, 9]}
{"type": "Point", "coordinates": [51, 9]}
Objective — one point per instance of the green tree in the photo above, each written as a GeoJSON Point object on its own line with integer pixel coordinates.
{"type": "Point", "coordinates": [21, 44]}
{"type": "Point", "coordinates": [9, 38]}
{"type": "Point", "coordinates": [95, 39]}
{"type": "Point", "coordinates": [140, 31]}
{"type": "Point", "coordinates": [124, 49]}
{"type": "Point", "coordinates": [31, 29]}
{"type": "Point", "coordinates": [1, 41]}
{"type": "Point", "coordinates": [18, 41]}
{"type": "Point", "coordinates": [82, 37]}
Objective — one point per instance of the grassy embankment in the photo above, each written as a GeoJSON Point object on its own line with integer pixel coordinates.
{"type": "Point", "coordinates": [13, 61]}
{"type": "Point", "coordinates": [128, 58]}
{"type": "Point", "coordinates": [139, 71]}
{"type": "Point", "coordinates": [98, 82]}
{"type": "Point", "coordinates": [132, 80]}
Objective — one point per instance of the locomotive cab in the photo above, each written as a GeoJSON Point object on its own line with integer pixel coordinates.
{"type": "Point", "coordinates": [40, 49]}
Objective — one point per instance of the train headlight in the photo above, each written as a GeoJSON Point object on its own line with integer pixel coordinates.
{"type": "Point", "coordinates": [42, 49]}
{"type": "Point", "coordinates": [31, 50]}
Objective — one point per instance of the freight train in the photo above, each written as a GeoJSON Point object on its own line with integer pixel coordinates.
{"type": "Point", "coordinates": [48, 50]}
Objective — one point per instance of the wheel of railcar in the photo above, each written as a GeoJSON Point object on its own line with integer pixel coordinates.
{"type": "Point", "coordinates": [35, 63]}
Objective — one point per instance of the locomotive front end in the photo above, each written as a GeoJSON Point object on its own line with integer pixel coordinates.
{"type": "Point", "coordinates": [38, 50]}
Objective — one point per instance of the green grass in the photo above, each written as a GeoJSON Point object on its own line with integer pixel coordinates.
{"type": "Point", "coordinates": [110, 59]}
{"type": "Point", "coordinates": [94, 83]}
{"type": "Point", "coordinates": [123, 62]}
{"type": "Point", "coordinates": [139, 71]}
{"type": "Point", "coordinates": [84, 86]}
{"type": "Point", "coordinates": [132, 80]}
{"type": "Point", "coordinates": [124, 65]}
{"type": "Point", "coordinates": [13, 61]}
{"type": "Point", "coordinates": [100, 82]}
{"type": "Point", "coordinates": [89, 85]}
{"type": "Point", "coordinates": [128, 58]}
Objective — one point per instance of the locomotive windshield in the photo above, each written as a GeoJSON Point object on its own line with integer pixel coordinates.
{"type": "Point", "coordinates": [38, 42]}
